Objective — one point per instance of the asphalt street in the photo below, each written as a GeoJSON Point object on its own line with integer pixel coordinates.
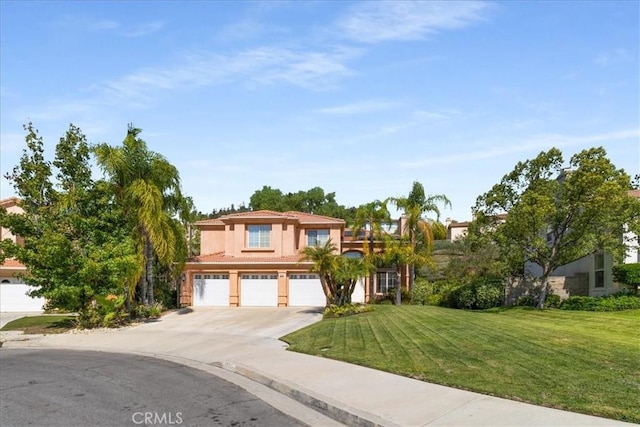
{"type": "Point", "coordinates": [87, 388]}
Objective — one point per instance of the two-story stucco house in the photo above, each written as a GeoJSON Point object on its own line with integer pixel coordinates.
{"type": "Point", "coordinates": [13, 292]}
{"type": "Point", "coordinates": [253, 259]}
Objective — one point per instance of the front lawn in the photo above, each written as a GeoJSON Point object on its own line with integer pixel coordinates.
{"type": "Point", "coordinates": [41, 324]}
{"type": "Point", "coordinates": [586, 362]}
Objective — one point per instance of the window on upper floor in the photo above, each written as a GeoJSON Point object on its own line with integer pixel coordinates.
{"type": "Point", "coordinates": [259, 236]}
{"type": "Point", "coordinates": [317, 237]}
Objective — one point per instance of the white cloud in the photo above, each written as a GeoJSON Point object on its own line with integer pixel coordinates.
{"type": "Point", "coordinates": [378, 21]}
{"type": "Point", "coordinates": [267, 65]}
{"type": "Point", "coordinates": [144, 29]}
{"type": "Point", "coordinates": [538, 142]}
{"type": "Point", "coordinates": [360, 107]}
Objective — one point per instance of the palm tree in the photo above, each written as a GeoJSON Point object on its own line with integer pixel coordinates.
{"type": "Point", "coordinates": [418, 230]}
{"type": "Point", "coordinates": [338, 274]}
{"type": "Point", "coordinates": [147, 187]}
{"type": "Point", "coordinates": [370, 215]}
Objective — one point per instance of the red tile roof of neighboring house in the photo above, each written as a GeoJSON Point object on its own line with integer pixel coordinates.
{"type": "Point", "coordinates": [221, 258]}
{"type": "Point", "coordinates": [11, 201]}
{"type": "Point", "coordinates": [634, 193]}
{"type": "Point", "coordinates": [12, 263]}
{"type": "Point", "coordinates": [302, 217]}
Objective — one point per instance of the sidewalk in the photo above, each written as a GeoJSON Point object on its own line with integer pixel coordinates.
{"type": "Point", "coordinates": [351, 394]}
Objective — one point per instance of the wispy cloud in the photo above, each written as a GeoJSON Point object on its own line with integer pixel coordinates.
{"type": "Point", "coordinates": [613, 57]}
{"type": "Point", "coordinates": [378, 21]}
{"type": "Point", "coordinates": [538, 142]}
{"type": "Point", "coordinates": [363, 107]}
{"type": "Point", "coordinates": [84, 23]}
{"type": "Point", "coordinates": [143, 29]}
{"type": "Point", "coordinates": [260, 66]}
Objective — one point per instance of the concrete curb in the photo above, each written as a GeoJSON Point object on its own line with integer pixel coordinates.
{"type": "Point", "coordinates": [323, 404]}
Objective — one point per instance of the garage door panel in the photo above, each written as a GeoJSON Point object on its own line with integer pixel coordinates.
{"type": "Point", "coordinates": [259, 290]}
{"type": "Point", "coordinates": [14, 298]}
{"type": "Point", "coordinates": [211, 290]}
{"type": "Point", "coordinates": [305, 290]}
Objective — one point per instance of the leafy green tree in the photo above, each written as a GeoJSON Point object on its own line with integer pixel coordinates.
{"type": "Point", "coordinates": [147, 188]}
{"type": "Point", "coordinates": [628, 275]}
{"type": "Point", "coordinates": [73, 245]}
{"type": "Point", "coordinates": [267, 199]}
{"type": "Point", "coordinates": [418, 229]}
{"type": "Point", "coordinates": [558, 215]}
{"type": "Point", "coordinates": [338, 274]}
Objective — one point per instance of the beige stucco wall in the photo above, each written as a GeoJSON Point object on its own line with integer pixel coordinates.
{"type": "Point", "coordinates": [5, 233]}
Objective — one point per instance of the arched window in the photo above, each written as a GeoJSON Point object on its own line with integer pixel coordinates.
{"type": "Point", "coordinates": [353, 254]}
{"type": "Point", "coordinates": [6, 281]}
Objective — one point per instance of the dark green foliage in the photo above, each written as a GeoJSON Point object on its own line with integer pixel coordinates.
{"type": "Point", "coordinates": [552, 301]}
{"type": "Point", "coordinates": [477, 295]}
{"type": "Point", "coordinates": [615, 302]}
{"type": "Point", "coordinates": [526, 301]}
{"type": "Point", "coordinates": [314, 201]}
{"type": "Point", "coordinates": [629, 275]}
{"type": "Point", "coordinates": [74, 240]}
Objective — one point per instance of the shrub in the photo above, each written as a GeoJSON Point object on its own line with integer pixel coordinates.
{"type": "Point", "coordinates": [526, 301]}
{"type": "Point", "coordinates": [477, 295]}
{"type": "Point", "coordinates": [614, 302]}
{"type": "Point", "coordinates": [145, 312]}
{"type": "Point", "coordinates": [552, 301]}
{"type": "Point", "coordinates": [345, 310]}
{"type": "Point", "coordinates": [105, 312]}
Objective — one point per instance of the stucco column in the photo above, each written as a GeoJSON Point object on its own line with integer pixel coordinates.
{"type": "Point", "coordinates": [283, 288]}
{"type": "Point", "coordinates": [234, 288]}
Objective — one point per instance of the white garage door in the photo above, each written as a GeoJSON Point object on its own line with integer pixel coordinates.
{"type": "Point", "coordinates": [259, 290]}
{"type": "Point", "coordinates": [14, 298]}
{"type": "Point", "coordinates": [305, 290]}
{"type": "Point", "coordinates": [211, 290]}
{"type": "Point", "coordinates": [358, 292]}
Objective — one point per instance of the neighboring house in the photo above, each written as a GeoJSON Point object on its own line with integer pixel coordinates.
{"type": "Point", "coordinates": [456, 230]}
{"type": "Point", "coordinates": [252, 259]}
{"type": "Point", "coordinates": [590, 275]}
{"type": "Point", "coordinates": [13, 292]}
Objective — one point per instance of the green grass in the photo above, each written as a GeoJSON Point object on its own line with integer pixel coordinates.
{"type": "Point", "coordinates": [586, 362]}
{"type": "Point", "coordinates": [41, 324]}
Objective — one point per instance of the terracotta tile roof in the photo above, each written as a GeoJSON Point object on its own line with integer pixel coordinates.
{"type": "Point", "coordinates": [634, 193]}
{"type": "Point", "coordinates": [221, 258]}
{"type": "Point", "coordinates": [302, 217]}
{"type": "Point", "coordinates": [11, 201]}
{"type": "Point", "coordinates": [12, 263]}
{"type": "Point", "coordinates": [214, 221]}
{"type": "Point", "coordinates": [305, 218]}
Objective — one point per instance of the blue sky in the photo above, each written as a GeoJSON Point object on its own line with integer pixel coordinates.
{"type": "Point", "coordinates": [358, 98]}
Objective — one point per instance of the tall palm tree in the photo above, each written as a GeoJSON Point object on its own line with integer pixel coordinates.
{"type": "Point", "coordinates": [372, 216]}
{"type": "Point", "coordinates": [416, 227]}
{"type": "Point", "coordinates": [147, 186]}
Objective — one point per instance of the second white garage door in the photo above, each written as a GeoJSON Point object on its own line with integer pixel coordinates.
{"type": "Point", "coordinates": [259, 290]}
{"type": "Point", "coordinates": [305, 290]}
{"type": "Point", "coordinates": [211, 290]}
